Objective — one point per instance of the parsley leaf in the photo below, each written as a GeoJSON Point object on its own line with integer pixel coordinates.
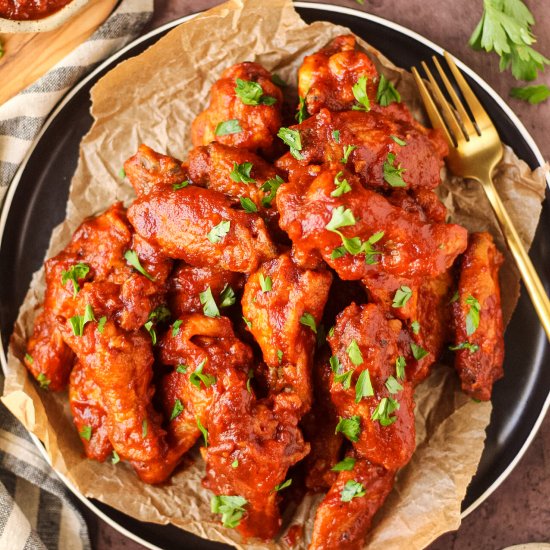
{"type": "Point", "coordinates": [336, 136]}
{"type": "Point", "coordinates": [301, 113]}
{"type": "Point", "coordinates": [402, 296]}
{"type": "Point", "coordinates": [228, 127]}
{"type": "Point", "coordinates": [342, 186]}
{"type": "Point", "coordinates": [101, 324]}
{"type": "Point", "coordinates": [235, 464]}
{"type": "Point", "coordinates": [43, 380]}
{"type": "Point", "coordinates": [249, 376]}
{"type": "Point", "coordinates": [344, 465]}
{"type": "Point", "coordinates": [344, 378]}
{"type": "Point", "coordinates": [132, 258]}
{"type": "Point", "coordinates": [210, 309]}
{"type": "Point", "coordinates": [197, 376]}
{"type": "Point", "coordinates": [241, 172]}
{"type": "Point", "coordinates": [176, 327]}
{"type": "Point", "coordinates": [400, 365]}
{"type": "Point", "coordinates": [248, 205]}
{"type": "Point", "coordinates": [230, 507]}
{"type": "Point", "coordinates": [472, 317]}
{"type": "Point", "coordinates": [359, 90]}
{"type": "Point", "coordinates": [354, 353]}
{"type": "Point", "coordinates": [227, 296]}
{"type": "Point", "coordinates": [181, 185]}
{"type": "Point", "coordinates": [115, 458]}
{"type": "Point", "coordinates": [86, 432]}
{"type": "Point", "coordinates": [293, 139]}
{"type": "Point", "coordinates": [182, 369]}
{"type": "Point", "coordinates": [218, 232]}
{"type": "Point", "coordinates": [392, 174]}
{"type": "Point", "coordinates": [387, 93]}
{"type": "Point", "coordinates": [415, 326]}
{"type": "Point", "coordinates": [203, 430]}
{"type": "Point", "coordinates": [308, 320]}
{"type": "Point", "coordinates": [158, 315]}
{"type": "Point", "coordinates": [363, 386]}
{"type": "Point", "coordinates": [418, 351]}
{"type": "Point", "coordinates": [392, 385]}
{"type": "Point", "coordinates": [278, 81]}
{"type": "Point", "coordinates": [341, 217]}
{"type": "Point", "coordinates": [335, 364]}
{"type": "Point", "coordinates": [266, 284]}
{"type": "Point", "coordinates": [177, 410]}
{"type": "Point", "coordinates": [384, 410]}
{"type": "Point", "coordinates": [532, 94]}
{"type": "Point", "coordinates": [399, 141]}
{"type": "Point", "coordinates": [352, 489]}
{"type": "Point", "coordinates": [29, 359]}
{"type": "Point", "coordinates": [280, 355]}
{"type": "Point", "coordinates": [144, 428]}
{"type": "Point", "coordinates": [349, 427]}
{"type": "Point", "coordinates": [472, 348]}
{"type": "Point", "coordinates": [78, 322]}
{"type": "Point", "coordinates": [251, 93]}
{"type": "Point", "coordinates": [347, 152]}
{"type": "Point", "coordinates": [247, 322]}
{"type": "Point", "coordinates": [282, 486]}
{"type": "Point", "coordinates": [271, 185]}
{"type": "Point", "coordinates": [74, 273]}
{"type": "Point", "coordinates": [121, 172]}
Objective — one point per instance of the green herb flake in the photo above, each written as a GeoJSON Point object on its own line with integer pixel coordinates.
{"type": "Point", "coordinates": [472, 348]}
{"type": "Point", "coordinates": [301, 113]}
{"type": "Point", "coordinates": [218, 232]}
{"type": "Point", "coordinates": [400, 365]}
{"type": "Point", "coordinates": [354, 353]}
{"type": "Point", "coordinates": [344, 378]}
{"type": "Point", "coordinates": [336, 136]}
{"type": "Point", "coordinates": [393, 386]}
{"type": "Point", "coordinates": [418, 352]}
{"type": "Point", "coordinates": [247, 322]}
{"type": "Point", "coordinates": [384, 410]}
{"type": "Point", "coordinates": [227, 296]}
{"type": "Point", "coordinates": [349, 427]}
{"type": "Point", "coordinates": [251, 93]}
{"type": "Point", "coordinates": [228, 127]}
{"type": "Point", "coordinates": [43, 381]}
{"type": "Point", "coordinates": [180, 185]}
{"type": "Point", "coordinates": [86, 432]}
{"type": "Point", "coordinates": [335, 364]}
{"type": "Point", "coordinates": [386, 92]}
{"type": "Point", "coordinates": [402, 295]}
{"type": "Point", "coordinates": [235, 464]}
{"type": "Point", "coordinates": [342, 186]}
{"type": "Point", "coordinates": [29, 359]}
{"type": "Point", "coordinates": [78, 322]}
{"type": "Point", "coordinates": [230, 507]}
{"type": "Point", "coordinates": [74, 273]}
{"type": "Point", "coordinates": [393, 174]}
{"type": "Point", "coordinates": [352, 489]}
{"type": "Point", "coordinates": [249, 377]}
{"type": "Point", "coordinates": [363, 386]}
{"type": "Point", "coordinates": [454, 298]}
{"type": "Point", "coordinates": [122, 174]}
{"type": "Point", "coordinates": [181, 368]}
{"type": "Point", "coordinates": [266, 284]}
{"type": "Point", "coordinates": [415, 326]}
{"type": "Point", "coordinates": [101, 324]}
{"type": "Point", "coordinates": [132, 258]}
{"type": "Point", "coordinates": [308, 320]}
{"type": "Point", "coordinates": [210, 309]}
{"type": "Point", "coordinates": [177, 410]}
{"type": "Point", "coordinates": [197, 376]}
{"type": "Point", "coordinates": [532, 94]}
{"type": "Point", "coordinates": [347, 152]}
{"type": "Point", "coordinates": [293, 139]}
{"type": "Point", "coordinates": [359, 90]}
{"type": "Point", "coordinates": [115, 459]}
{"type": "Point", "coordinates": [176, 327]}
{"type": "Point", "coordinates": [280, 355]}
{"type": "Point", "coordinates": [345, 465]}
{"type": "Point", "coordinates": [282, 486]}
{"type": "Point", "coordinates": [278, 81]}
{"type": "Point", "coordinates": [398, 140]}
{"type": "Point", "coordinates": [271, 186]}
{"type": "Point", "coordinates": [203, 430]}
{"type": "Point", "coordinates": [241, 173]}
{"type": "Point", "coordinates": [248, 205]}
{"type": "Point", "coordinates": [472, 317]}
{"type": "Point", "coordinates": [144, 428]}
{"type": "Point", "coordinates": [341, 217]}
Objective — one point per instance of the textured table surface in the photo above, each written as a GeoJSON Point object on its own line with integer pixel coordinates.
{"type": "Point", "coordinates": [519, 510]}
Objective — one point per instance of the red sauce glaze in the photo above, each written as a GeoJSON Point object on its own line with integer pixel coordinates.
{"type": "Point", "coordinates": [24, 10]}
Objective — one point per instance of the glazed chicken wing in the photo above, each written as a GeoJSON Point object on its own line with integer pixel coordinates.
{"type": "Point", "coordinates": [283, 305]}
{"type": "Point", "coordinates": [326, 78]}
{"type": "Point", "coordinates": [248, 119]}
{"type": "Point", "coordinates": [201, 227]}
{"type": "Point", "coordinates": [478, 321]}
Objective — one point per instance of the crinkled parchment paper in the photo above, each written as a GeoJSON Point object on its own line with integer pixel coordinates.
{"type": "Point", "coordinates": [153, 98]}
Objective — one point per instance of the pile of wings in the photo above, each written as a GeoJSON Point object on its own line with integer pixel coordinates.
{"type": "Point", "coordinates": [277, 296]}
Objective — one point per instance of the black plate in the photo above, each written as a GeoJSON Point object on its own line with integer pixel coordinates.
{"type": "Point", "coordinates": [38, 205]}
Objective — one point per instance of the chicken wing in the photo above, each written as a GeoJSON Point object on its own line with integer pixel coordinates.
{"type": "Point", "coordinates": [283, 305]}
{"type": "Point", "coordinates": [479, 332]}
{"type": "Point", "coordinates": [244, 111]}
{"type": "Point", "coordinates": [200, 226]}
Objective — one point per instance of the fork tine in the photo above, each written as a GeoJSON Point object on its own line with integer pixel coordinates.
{"type": "Point", "coordinates": [433, 112]}
{"type": "Point", "coordinates": [480, 115]}
{"type": "Point", "coordinates": [465, 118]}
{"type": "Point", "coordinates": [450, 117]}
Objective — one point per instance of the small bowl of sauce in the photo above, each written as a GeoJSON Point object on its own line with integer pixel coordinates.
{"type": "Point", "coordinates": [36, 15]}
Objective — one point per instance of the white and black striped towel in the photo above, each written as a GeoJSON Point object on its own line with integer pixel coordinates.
{"type": "Point", "coordinates": [36, 510]}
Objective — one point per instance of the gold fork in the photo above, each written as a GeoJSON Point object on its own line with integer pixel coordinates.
{"type": "Point", "coordinates": [475, 150]}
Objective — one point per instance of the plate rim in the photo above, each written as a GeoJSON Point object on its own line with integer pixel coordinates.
{"type": "Point", "coordinates": [8, 199]}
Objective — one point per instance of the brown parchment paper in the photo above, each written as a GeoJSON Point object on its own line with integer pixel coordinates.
{"type": "Point", "coordinates": [153, 98]}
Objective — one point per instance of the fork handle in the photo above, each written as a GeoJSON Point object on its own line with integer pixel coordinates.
{"type": "Point", "coordinates": [529, 275]}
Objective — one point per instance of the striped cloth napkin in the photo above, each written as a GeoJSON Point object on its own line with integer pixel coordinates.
{"type": "Point", "coordinates": [37, 511]}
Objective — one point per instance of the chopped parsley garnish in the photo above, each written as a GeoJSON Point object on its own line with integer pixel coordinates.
{"type": "Point", "coordinates": [341, 217]}
{"type": "Point", "coordinates": [177, 410]}
{"type": "Point", "coordinates": [342, 186]}
{"type": "Point", "coordinates": [132, 258]}
{"type": "Point", "coordinates": [78, 322]}
{"type": "Point", "coordinates": [402, 295]}
{"type": "Point", "coordinates": [347, 152]}
{"type": "Point", "coordinates": [43, 380]}
{"type": "Point", "coordinates": [345, 465]}
{"type": "Point", "coordinates": [180, 185]}
{"type": "Point", "coordinates": [472, 318]}
{"type": "Point", "coordinates": [144, 428]}
{"type": "Point", "coordinates": [249, 377]}
{"type": "Point", "coordinates": [293, 139]}
{"type": "Point", "coordinates": [280, 355]}
{"type": "Point", "coordinates": [344, 378]}
{"type": "Point", "coordinates": [176, 327]}
{"type": "Point", "coordinates": [415, 326]}
{"type": "Point", "coordinates": [248, 205]}
{"type": "Point", "coordinates": [74, 273]}
{"type": "Point", "coordinates": [282, 486]}
{"type": "Point", "coordinates": [235, 464]}
{"type": "Point", "coordinates": [247, 322]}
{"type": "Point", "coordinates": [158, 315]}
{"type": "Point", "coordinates": [271, 186]}
{"type": "Point", "coordinates": [363, 386]}
{"type": "Point", "coordinates": [301, 113]}
{"type": "Point", "coordinates": [210, 309]}
{"type": "Point", "coordinates": [393, 386]}
{"type": "Point", "coordinates": [352, 489]}
{"type": "Point", "coordinates": [86, 432]}
{"type": "Point", "coordinates": [266, 284]}
{"type": "Point", "coordinates": [400, 365]}
{"type": "Point", "coordinates": [230, 507]}
{"type": "Point", "coordinates": [335, 364]}
{"type": "Point", "coordinates": [181, 368]}
{"type": "Point", "coordinates": [399, 141]}
{"type": "Point", "coordinates": [308, 320]}
{"type": "Point", "coordinates": [392, 174]}
{"type": "Point", "coordinates": [122, 173]}
{"type": "Point", "coordinates": [227, 296]}
{"type": "Point", "coordinates": [101, 324]}
{"type": "Point", "coordinates": [29, 359]}
{"type": "Point", "coordinates": [354, 353]}
{"type": "Point", "coordinates": [532, 94]}
{"type": "Point", "coordinates": [386, 92]}
{"type": "Point", "coordinates": [277, 80]}
{"type": "Point", "coordinates": [203, 430]}
{"type": "Point", "coordinates": [418, 351]}
{"type": "Point", "coordinates": [197, 376]}
{"type": "Point", "coordinates": [115, 459]}
{"type": "Point", "coordinates": [241, 173]}
{"type": "Point", "coordinates": [359, 90]}
{"type": "Point", "coordinates": [228, 127]}
{"type": "Point", "coordinates": [251, 93]}
{"type": "Point", "coordinates": [384, 410]}
{"type": "Point", "coordinates": [218, 232]}
{"type": "Point", "coordinates": [454, 297]}
{"type": "Point", "coordinates": [472, 348]}
{"type": "Point", "coordinates": [336, 136]}
{"type": "Point", "coordinates": [349, 427]}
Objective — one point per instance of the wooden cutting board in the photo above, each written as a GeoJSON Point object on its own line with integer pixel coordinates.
{"type": "Point", "coordinates": [27, 56]}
